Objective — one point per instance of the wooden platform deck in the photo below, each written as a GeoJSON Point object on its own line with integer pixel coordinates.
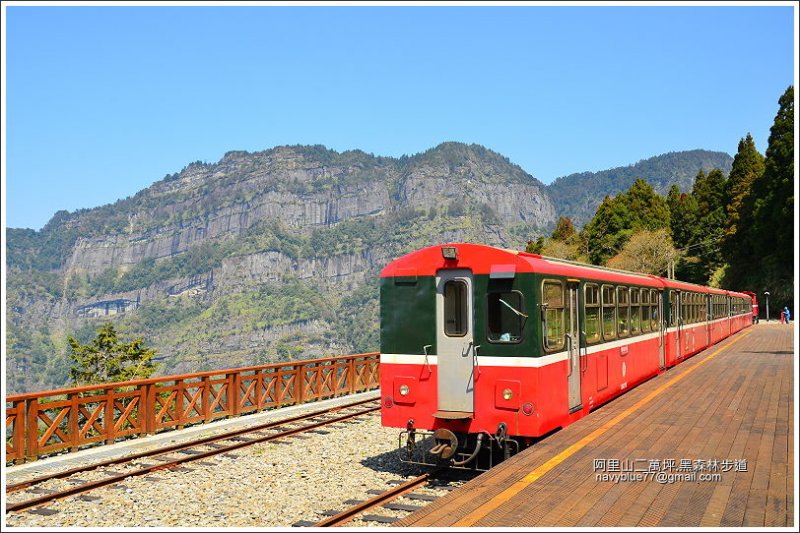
{"type": "Point", "coordinates": [708, 443]}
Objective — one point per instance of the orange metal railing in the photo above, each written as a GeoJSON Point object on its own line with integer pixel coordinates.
{"type": "Point", "coordinates": [45, 422]}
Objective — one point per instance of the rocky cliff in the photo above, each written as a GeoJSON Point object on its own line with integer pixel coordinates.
{"type": "Point", "coordinates": [275, 255]}
{"type": "Point", "coordinates": [258, 257]}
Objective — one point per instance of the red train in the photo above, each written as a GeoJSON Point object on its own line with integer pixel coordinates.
{"type": "Point", "coordinates": [752, 296]}
{"type": "Point", "coordinates": [484, 350]}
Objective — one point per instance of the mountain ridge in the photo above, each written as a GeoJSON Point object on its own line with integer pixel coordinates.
{"type": "Point", "coordinates": [577, 195]}
{"type": "Point", "coordinates": [257, 258]}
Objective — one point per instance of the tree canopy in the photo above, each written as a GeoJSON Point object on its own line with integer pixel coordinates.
{"type": "Point", "coordinates": [106, 359]}
{"type": "Point", "coordinates": [761, 251]}
{"type": "Point", "coordinates": [618, 218]}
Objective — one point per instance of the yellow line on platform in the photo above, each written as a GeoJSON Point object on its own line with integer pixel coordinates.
{"type": "Point", "coordinates": [541, 470]}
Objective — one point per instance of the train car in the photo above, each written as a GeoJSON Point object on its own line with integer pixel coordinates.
{"type": "Point", "coordinates": [485, 350]}
{"type": "Point", "coordinates": [752, 296]}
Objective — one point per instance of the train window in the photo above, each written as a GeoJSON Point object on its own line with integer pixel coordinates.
{"type": "Point", "coordinates": [623, 312]}
{"type": "Point", "coordinates": [699, 305]}
{"type": "Point", "coordinates": [591, 300]}
{"type": "Point", "coordinates": [506, 316]}
{"type": "Point", "coordinates": [654, 310]}
{"type": "Point", "coordinates": [645, 315]}
{"type": "Point", "coordinates": [702, 309]}
{"type": "Point", "coordinates": [553, 315]}
{"type": "Point", "coordinates": [636, 313]}
{"type": "Point", "coordinates": [686, 308]}
{"type": "Point", "coordinates": [609, 303]}
{"type": "Point", "coordinates": [455, 308]}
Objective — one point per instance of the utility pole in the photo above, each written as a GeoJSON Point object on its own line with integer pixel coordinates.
{"type": "Point", "coordinates": [767, 295]}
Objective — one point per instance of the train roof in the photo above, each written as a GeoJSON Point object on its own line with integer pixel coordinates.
{"type": "Point", "coordinates": [499, 262]}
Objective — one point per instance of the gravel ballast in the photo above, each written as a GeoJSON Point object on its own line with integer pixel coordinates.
{"type": "Point", "coordinates": [264, 485]}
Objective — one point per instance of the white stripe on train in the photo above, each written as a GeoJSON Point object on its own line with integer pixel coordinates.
{"type": "Point", "coordinates": [535, 362]}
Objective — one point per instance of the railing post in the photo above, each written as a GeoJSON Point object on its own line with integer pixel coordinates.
{"type": "Point", "coordinates": [148, 399]}
{"type": "Point", "coordinates": [72, 423]}
{"type": "Point", "coordinates": [299, 380]}
{"type": "Point", "coordinates": [111, 424]}
{"type": "Point", "coordinates": [19, 432]}
{"type": "Point", "coordinates": [32, 430]}
{"type": "Point", "coordinates": [351, 375]}
{"type": "Point", "coordinates": [206, 399]}
{"type": "Point", "coordinates": [318, 380]}
{"type": "Point", "coordinates": [234, 391]}
{"type": "Point", "coordinates": [179, 418]}
{"type": "Point", "coordinates": [258, 386]}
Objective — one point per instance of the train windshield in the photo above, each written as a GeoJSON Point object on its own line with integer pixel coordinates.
{"type": "Point", "coordinates": [506, 318]}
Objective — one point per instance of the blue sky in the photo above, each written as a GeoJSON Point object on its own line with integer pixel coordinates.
{"type": "Point", "coordinates": [103, 101]}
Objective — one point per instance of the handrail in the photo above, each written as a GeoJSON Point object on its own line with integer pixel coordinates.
{"type": "Point", "coordinates": [44, 422]}
{"type": "Point", "coordinates": [160, 379]}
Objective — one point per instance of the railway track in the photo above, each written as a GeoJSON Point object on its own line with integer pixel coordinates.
{"type": "Point", "coordinates": [384, 499]}
{"type": "Point", "coordinates": [195, 450]}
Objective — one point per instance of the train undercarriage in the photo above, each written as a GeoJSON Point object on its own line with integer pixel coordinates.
{"type": "Point", "coordinates": [473, 451]}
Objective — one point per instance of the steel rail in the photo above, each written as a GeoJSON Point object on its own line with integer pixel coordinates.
{"type": "Point", "coordinates": [380, 499]}
{"type": "Point", "coordinates": [172, 464]}
{"type": "Point", "coordinates": [178, 447]}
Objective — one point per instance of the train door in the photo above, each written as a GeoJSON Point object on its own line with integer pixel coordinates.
{"type": "Point", "coordinates": [573, 347]}
{"type": "Point", "coordinates": [675, 301]}
{"type": "Point", "coordinates": [661, 325]}
{"type": "Point", "coordinates": [456, 350]}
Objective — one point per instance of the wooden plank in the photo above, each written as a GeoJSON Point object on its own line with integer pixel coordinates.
{"type": "Point", "coordinates": [748, 418]}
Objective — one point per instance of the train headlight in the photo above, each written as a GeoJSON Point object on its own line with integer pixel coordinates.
{"type": "Point", "coordinates": [507, 394]}
{"type": "Point", "coordinates": [405, 390]}
{"type": "Point", "coordinates": [450, 252]}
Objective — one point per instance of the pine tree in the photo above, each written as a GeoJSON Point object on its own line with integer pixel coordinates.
{"type": "Point", "coordinates": [535, 247]}
{"type": "Point", "coordinates": [683, 217]}
{"type": "Point", "coordinates": [639, 208]}
{"type": "Point", "coordinates": [706, 243]}
{"type": "Point", "coordinates": [565, 231]}
{"type": "Point", "coordinates": [609, 229]}
{"type": "Point", "coordinates": [648, 209]}
{"type": "Point", "coordinates": [748, 165]}
{"type": "Point", "coordinates": [771, 201]}
{"type": "Point", "coordinates": [106, 359]}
